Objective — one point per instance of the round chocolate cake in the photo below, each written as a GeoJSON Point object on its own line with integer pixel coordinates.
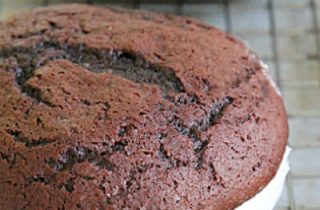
{"type": "Point", "coordinates": [104, 108]}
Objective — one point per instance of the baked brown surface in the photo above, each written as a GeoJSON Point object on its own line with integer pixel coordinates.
{"type": "Point", "coordinates": [119, 109]}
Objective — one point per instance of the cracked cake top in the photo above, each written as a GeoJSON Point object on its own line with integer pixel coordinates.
{"type": "Point", "coordinates": [120, 109]}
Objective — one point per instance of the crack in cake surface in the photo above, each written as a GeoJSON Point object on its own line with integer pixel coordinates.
{"type": "Point", "coordinates": [120, 62]}
{"type": "Point", "coordinates": [21, 138]}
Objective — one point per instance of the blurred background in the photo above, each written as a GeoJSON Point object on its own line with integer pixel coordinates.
{"type": "Point", "coordinates": [286, 34]}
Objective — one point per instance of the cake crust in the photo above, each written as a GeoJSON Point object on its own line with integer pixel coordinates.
{"type": "Point", "coordinates": [105, 108]}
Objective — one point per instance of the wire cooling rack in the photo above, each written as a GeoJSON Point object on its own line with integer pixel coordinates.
{"type": "Point", "coordinates": [286, 34]}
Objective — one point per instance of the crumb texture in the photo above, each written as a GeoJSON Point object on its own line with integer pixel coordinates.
{"type": "Point", "coordinates": [118, 109]}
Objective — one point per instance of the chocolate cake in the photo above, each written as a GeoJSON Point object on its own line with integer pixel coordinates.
{"type": "Point", "coordinates": [105, 108]}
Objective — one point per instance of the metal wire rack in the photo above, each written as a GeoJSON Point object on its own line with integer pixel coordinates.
{"type": "Point", "coordinates": [266, 24]}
